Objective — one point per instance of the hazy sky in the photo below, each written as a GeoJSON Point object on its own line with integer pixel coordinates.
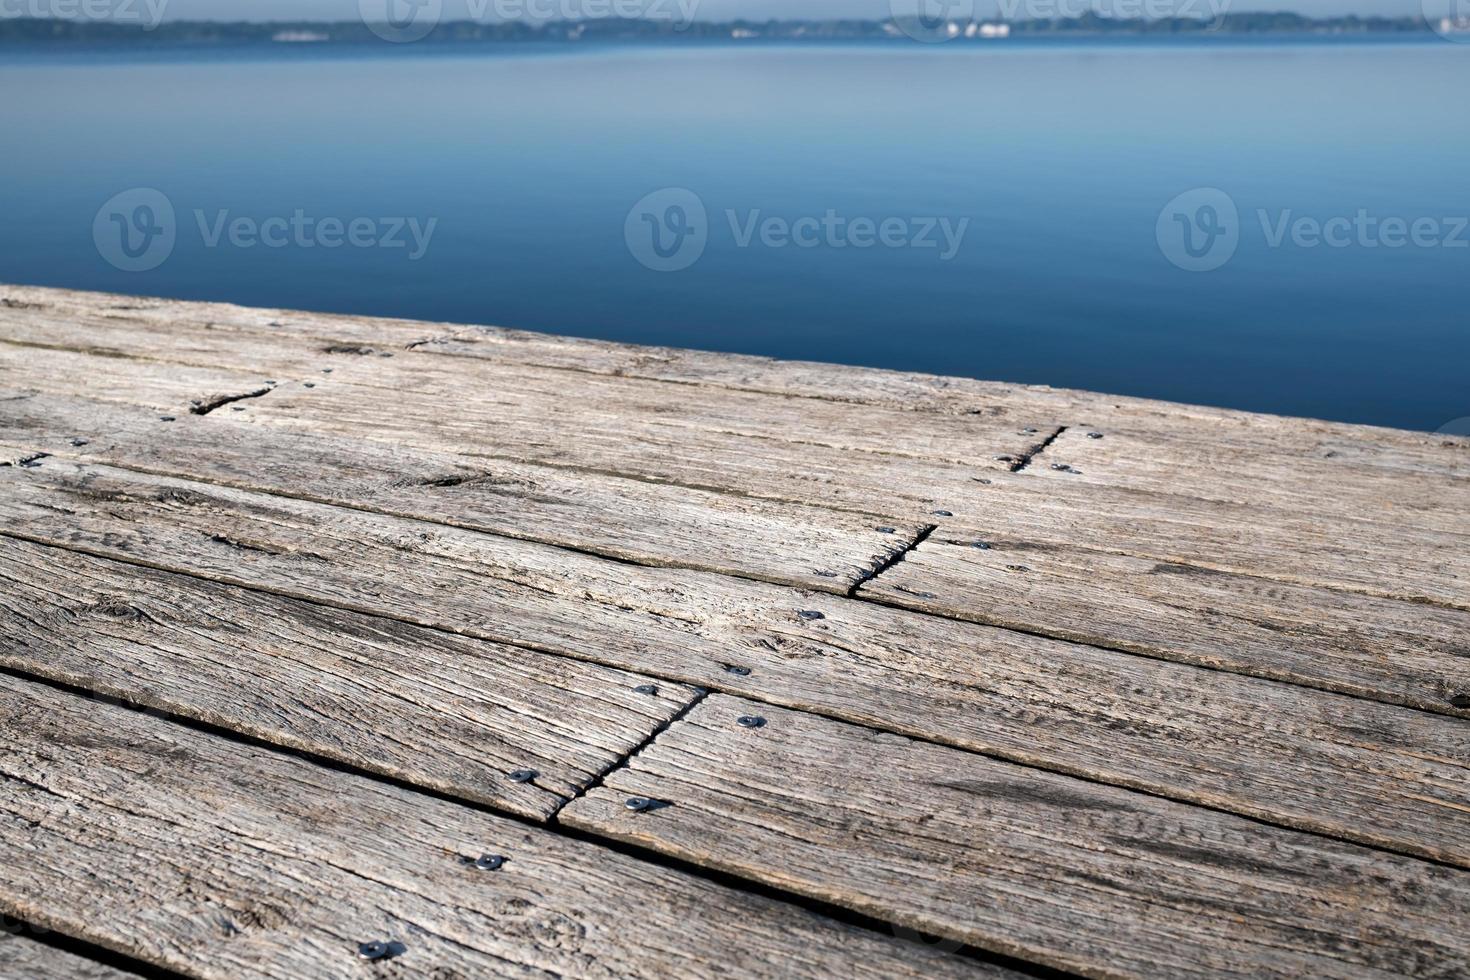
{"type": "Point", "coordinates": [714, 9]}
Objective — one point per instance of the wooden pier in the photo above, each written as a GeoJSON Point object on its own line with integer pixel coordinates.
{"type": "Point", "coordinates": [343, 647]}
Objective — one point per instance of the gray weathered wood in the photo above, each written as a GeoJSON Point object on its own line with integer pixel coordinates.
{"type": "Point", "coordinates": [634, 520]}
{"type": "Point", "coordinates": [22, 958]}
{"type": "Point", "coordinates": [1056, 870]}
{"type": "Point", "coordinates": [226, 861]}
{"type": "Point", "coordinates": [517, 395]}
{"type": "Point", "coordinates": [1190, 464]}
{"type": "Point", "coordinates": [443, 712]}
{"type": "Point", "coordinates": [1379, 774]}
{"type": "Point", "coordinates": [1405, 652]}
{"type": "Point", "coordinates": [654, 434]}
{"type": "Point", "coordinates": [905, 390]}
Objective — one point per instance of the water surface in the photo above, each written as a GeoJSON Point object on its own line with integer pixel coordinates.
{"type": "Point", "coordinates": [1060, 157]}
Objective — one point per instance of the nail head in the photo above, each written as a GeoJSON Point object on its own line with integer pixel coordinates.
{"type": "Point", "coordinates": [489, 862]}
{"type": "Point", "coordinates": [521, 775]}
{"type": "Point", "coordinates": [750, 721]}
{"type": "Point", "coordinates": [373, 950]}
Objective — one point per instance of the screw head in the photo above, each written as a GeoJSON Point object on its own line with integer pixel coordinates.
{"type": "Point", "coordinates": [1094, 435]}
{"type": "Point", "coordinates": [750, 721]}
{"type": "Point", "coordinates": [489, 862]}
{"type": "Point", "coordinates": [522, 775]}
{"type": "Point", "coordinates": [167, 418]}
{"type": "Point", "coordinates": [738, 671]}
{"type": "Point", "coordinates": [79, 442]}
{"type": "Point", "coordinates": [810, 614]}
{"type": "Point", "coordinates": [885, 530]}
{"type": "Point", "coordinates": [638, 804]}
{"type": "Point", "coordinates": [308, 384]}
{"type": "Point", "coordinates": [1005, 459]}
{"type": "Point", "coordinates": [1028, 431]}
{"type": "Point", "coordinates": [646, 689]}
{"type": "Point", "coordinates": [982, 545]}
{"type": "Point", "coordinates": [941, 513]}
{"type": "Point", "coordinates": [374, 950]}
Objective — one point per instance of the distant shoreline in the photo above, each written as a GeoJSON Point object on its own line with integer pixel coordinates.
{"type": "Point", "coordinates": [315, 34]}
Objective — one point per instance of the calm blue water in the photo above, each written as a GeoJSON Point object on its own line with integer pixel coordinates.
{"type": "Point", "coordinates": [1061, 157]}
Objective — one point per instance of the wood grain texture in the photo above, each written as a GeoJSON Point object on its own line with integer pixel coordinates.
{"type": "Point", "coordinates": [519, 393]}
{"type": "Point", "coordinates": [1379, 774]}
{"type": "Point", "coordinates": [226, 861]}
{"type": "Point", "coordinates": [909, 391]}
{"type": "Point", "coordinates": [22, 958]}
{"type": "Point", "coordinates": [914, 466]}
{"type": "Point", "coordinates": [1393, 559]}
{"type": "Point", "coordinates": [1192, 465]}
{"type": "Point", "coordinates": [1401, 652]}
{"type": "Point", "coordinates": [633, 520]}
{"type": "Point", "coordinates": [420, 705]}
{"type": "Point", "coordinates": [1068, 873]}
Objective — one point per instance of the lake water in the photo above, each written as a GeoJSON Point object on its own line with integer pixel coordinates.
{"type": "Point", "coordinates": [816, 185]}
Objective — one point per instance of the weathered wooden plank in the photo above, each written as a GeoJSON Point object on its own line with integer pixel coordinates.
{"type": "Point", "coordinates": [633, 520]}
{"type": "Point", "coordinates": [22, 958]}
{"type": "Point", "coordinates": [439, 711]}
{"type": "Point", "coordinates": [1397, 560]}
{"type": "Point", "coordinates": [1195, 466]}
{"type": "Point", "coordinates": [1404, 652]}
{"type": "Point", "coordinates": [520, 394]}
{"type": "Point", "coordinates": [169, 389]}
{"type": "Point", "coordinates": [1056, 870]}
{"type": "Point", "coordinates": [404, 407]}
{"type": "Point", "coordinates": [223, 860]}
{"type": "Point", "coordinates": [1384, 775]}
{"type": "Point", "coordinates": [906, 390]}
